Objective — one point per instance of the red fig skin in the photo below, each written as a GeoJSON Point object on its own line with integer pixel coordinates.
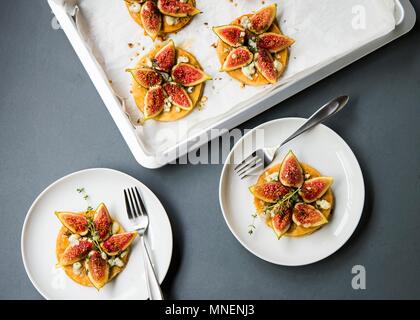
{"type": "Point", "coordinates": [76, 253]}
{"type": "Point", "coordinates": [188, 75]}
{"type": "Point", "coordinates": [154, 102]}
{"type": "Point", "coordinates": [232, 35]}
{"type": "Point", "coordinates": [178, 95]}
{"type": "Point", "coordinates": [237, 58]}
{"type": "Point", "coordinates": [151, 19]}
{"type": "Point", "coordinates": [273, 42]}
{"type": "Point", "coordinates": [265, 65]}
{"type": "Point", "coordinates": [164, 59]}
{"type": "Point", "coordinates": [263, 18]}
{"type": "Point", "coordinates": [176, 8]}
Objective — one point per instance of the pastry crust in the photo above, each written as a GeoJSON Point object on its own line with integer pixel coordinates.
{"type": "Point", "coordinates": [139, 92]}
{"type": "Point", "coordinates": [222, 50]}
{"type": "Point", "coordinates": [295, 230]}
{"type": "Point", "coordinates": [62, 243]}
{"type": "Point", "coordinates": [166, 28]}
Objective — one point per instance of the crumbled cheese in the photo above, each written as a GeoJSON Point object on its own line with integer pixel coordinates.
{"type": "Point", "coordinates": [166, 76]}
{"type": "Point", "coordinates": [272, 177]}
{"type": "Point", "coordinates": [116, 262]}
{"type": "Point", "coordinates": [183, 59]}
{"type": "Point", "coordinates": [178, 109]}
{"type": "Point", "coordinates": [249, 70]}
{"type": "Point", "coordinates": [278, 65]}
{"type": "Point", "coordinates": [245, 22]}
{"type": "Point", "coordinates": [307, 175]}
{"type": "Point", "coordinates": [252, 43]}
{"type": "Point", "coordinates": [242, 34]}
{"type": "Point", "coordinates": [167, 105]}
{"type": "Point", "coordinates": [323, 204]}
{"type": "Point", "coordinates": [115, 227]}
{"type": "Point", "coordinates": [123, 254]}
{"type": "Point", "coordinates": [190, 89]}
{"type": "Point", "coordinates": [103, 255]}
{"type": "Point", "coordinates": [135, 7]}
{"type": "Point", "coordinates": [171, 20]}
{"type": "Point", "coordinates": [74, 239]}
{"type": "Point", "coordinates": [77, 266]}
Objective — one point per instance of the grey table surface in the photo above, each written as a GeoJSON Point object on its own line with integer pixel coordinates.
{"type": "Point", "coordinates": [53, 122]}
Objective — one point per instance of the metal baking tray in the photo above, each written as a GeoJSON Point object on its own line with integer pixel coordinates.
{"type": "Point", "coordinates": [405, 17]}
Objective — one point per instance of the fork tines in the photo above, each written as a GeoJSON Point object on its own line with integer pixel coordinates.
{"type": "Point", "coordinates": [134, 203]}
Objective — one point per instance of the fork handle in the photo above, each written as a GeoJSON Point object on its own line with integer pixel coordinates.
{"type": "Point", "coordinates": [322, 114]}
{"type": "Point", "coordinates": [155, 292]}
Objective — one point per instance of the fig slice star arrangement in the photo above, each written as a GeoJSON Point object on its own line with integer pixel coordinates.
{"type": "Point", "coordinates": [91, 247]}
{"type": "Point", "coordinates": [167, 83]}
{"type": "Point", "coordinates": [252, 49]}
{"type": "Point", "coordinates": [159, 18]}
{"type": "Point", "coordinates": [292, 198]}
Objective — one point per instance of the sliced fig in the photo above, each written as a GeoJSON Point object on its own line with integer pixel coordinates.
{"type": "Point", "coordinates": [273, 42]}
{"type": "Point", "coordinates": [164, 59]}
{"type": "Point", "coordinates": [102, 222]}
{"type": "Point", "coordinates": [269, 191]}
{"type": "Point", "coordinates": [291, 173]}
{"type": "Point", "coordinates": [177, 8]}
{"type": "Point", "coordinates": [178, 95]}
{"type": "Point", "coordinates": [281, 222]}
{"type": "Point", "coordinates": [307, 216]}
{"type": "Point", "coordinates": [146, 77]}
{"type": "Point", "coordinates": [118, 243]}
{"type": "Point", "coordinates": [263, 18]}
{"type": "Point", "coordinates": [154, 102]}
{"type": "Point", "coordinates": [232, 35]}
{"type": "Point", "coordinates": [98, 269]}
{"type": "Point", "coordinates": [315, 188]}
{"type": "Point", "coordinates": [75, 222]}
{"type": "Point", "coordinates": [237, 58]}
{"type": "Point", "coordinates": [151, 19]}
{"type": "Point", "coordinates": [265, 65]}
{"type": "Point", "coordinates": [188, 75]}
{"type": "Point", "coordinates": [75, 253]}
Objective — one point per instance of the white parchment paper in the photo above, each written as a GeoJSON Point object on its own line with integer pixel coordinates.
{"type": "Point", "coordinates": [323, 29]}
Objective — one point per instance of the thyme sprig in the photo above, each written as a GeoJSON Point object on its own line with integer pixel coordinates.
{"type": "Point", "coordinates": [287, 201]}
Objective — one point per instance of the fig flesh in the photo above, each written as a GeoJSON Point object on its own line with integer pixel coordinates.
{"type": "Point", "coordinates": [269, 191]}
{"type": "Point", "coordinates": [265, 65]}
{"type": "Point", "coordinates": [98, 269]}
{"type": "Point", "coordinates": [164, 59]}
{"type": "Point", "coordinates": [102, 222]}
{"type": "Point", "coordinates": [154, 102]}
{"type": "Point", "coordinates": [307, 216]}
{"type": "Point", "coordinates": [151, 19]}
{"type": "Point", "coordinates": [237, 58]}
{"type": "Point", "coordinates": [75, 222]}
{"type": "Point", "coordinates": [178, 95]}
{"type": "Point", "coordinates": [315, 188]}
{"type": "Point", "coordinates": [273, 42]}
{"type": "Point", "coordinates": [291, 173]}
{"type": "Point", "coordinates": [146, 77]}
{"type": "Point", "coordinates": [118, 243]}
{"type": "Point", "coordinates": [177, 8]}
{"type": "Point", "coordinates": [232, 35]}
{"type": "Point", "coordinates": [188, 75]}
{"type": "Point", "coordinates": [262, 19]}
{"type": "Point", "coordinates": [281, 222]}
{"type": "Point", "coordinates": [76, 252]}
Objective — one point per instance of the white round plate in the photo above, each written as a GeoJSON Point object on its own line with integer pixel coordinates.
{"type": "Point", "coordinates": [41, 226]}
{"type": "Point", "coordinates": [321, 148]}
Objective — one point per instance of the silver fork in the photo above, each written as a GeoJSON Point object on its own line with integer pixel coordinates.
{"type": "Point", "coordinates": [262, 157]}
{"type": "Point", "coordinates": [137, 214]}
